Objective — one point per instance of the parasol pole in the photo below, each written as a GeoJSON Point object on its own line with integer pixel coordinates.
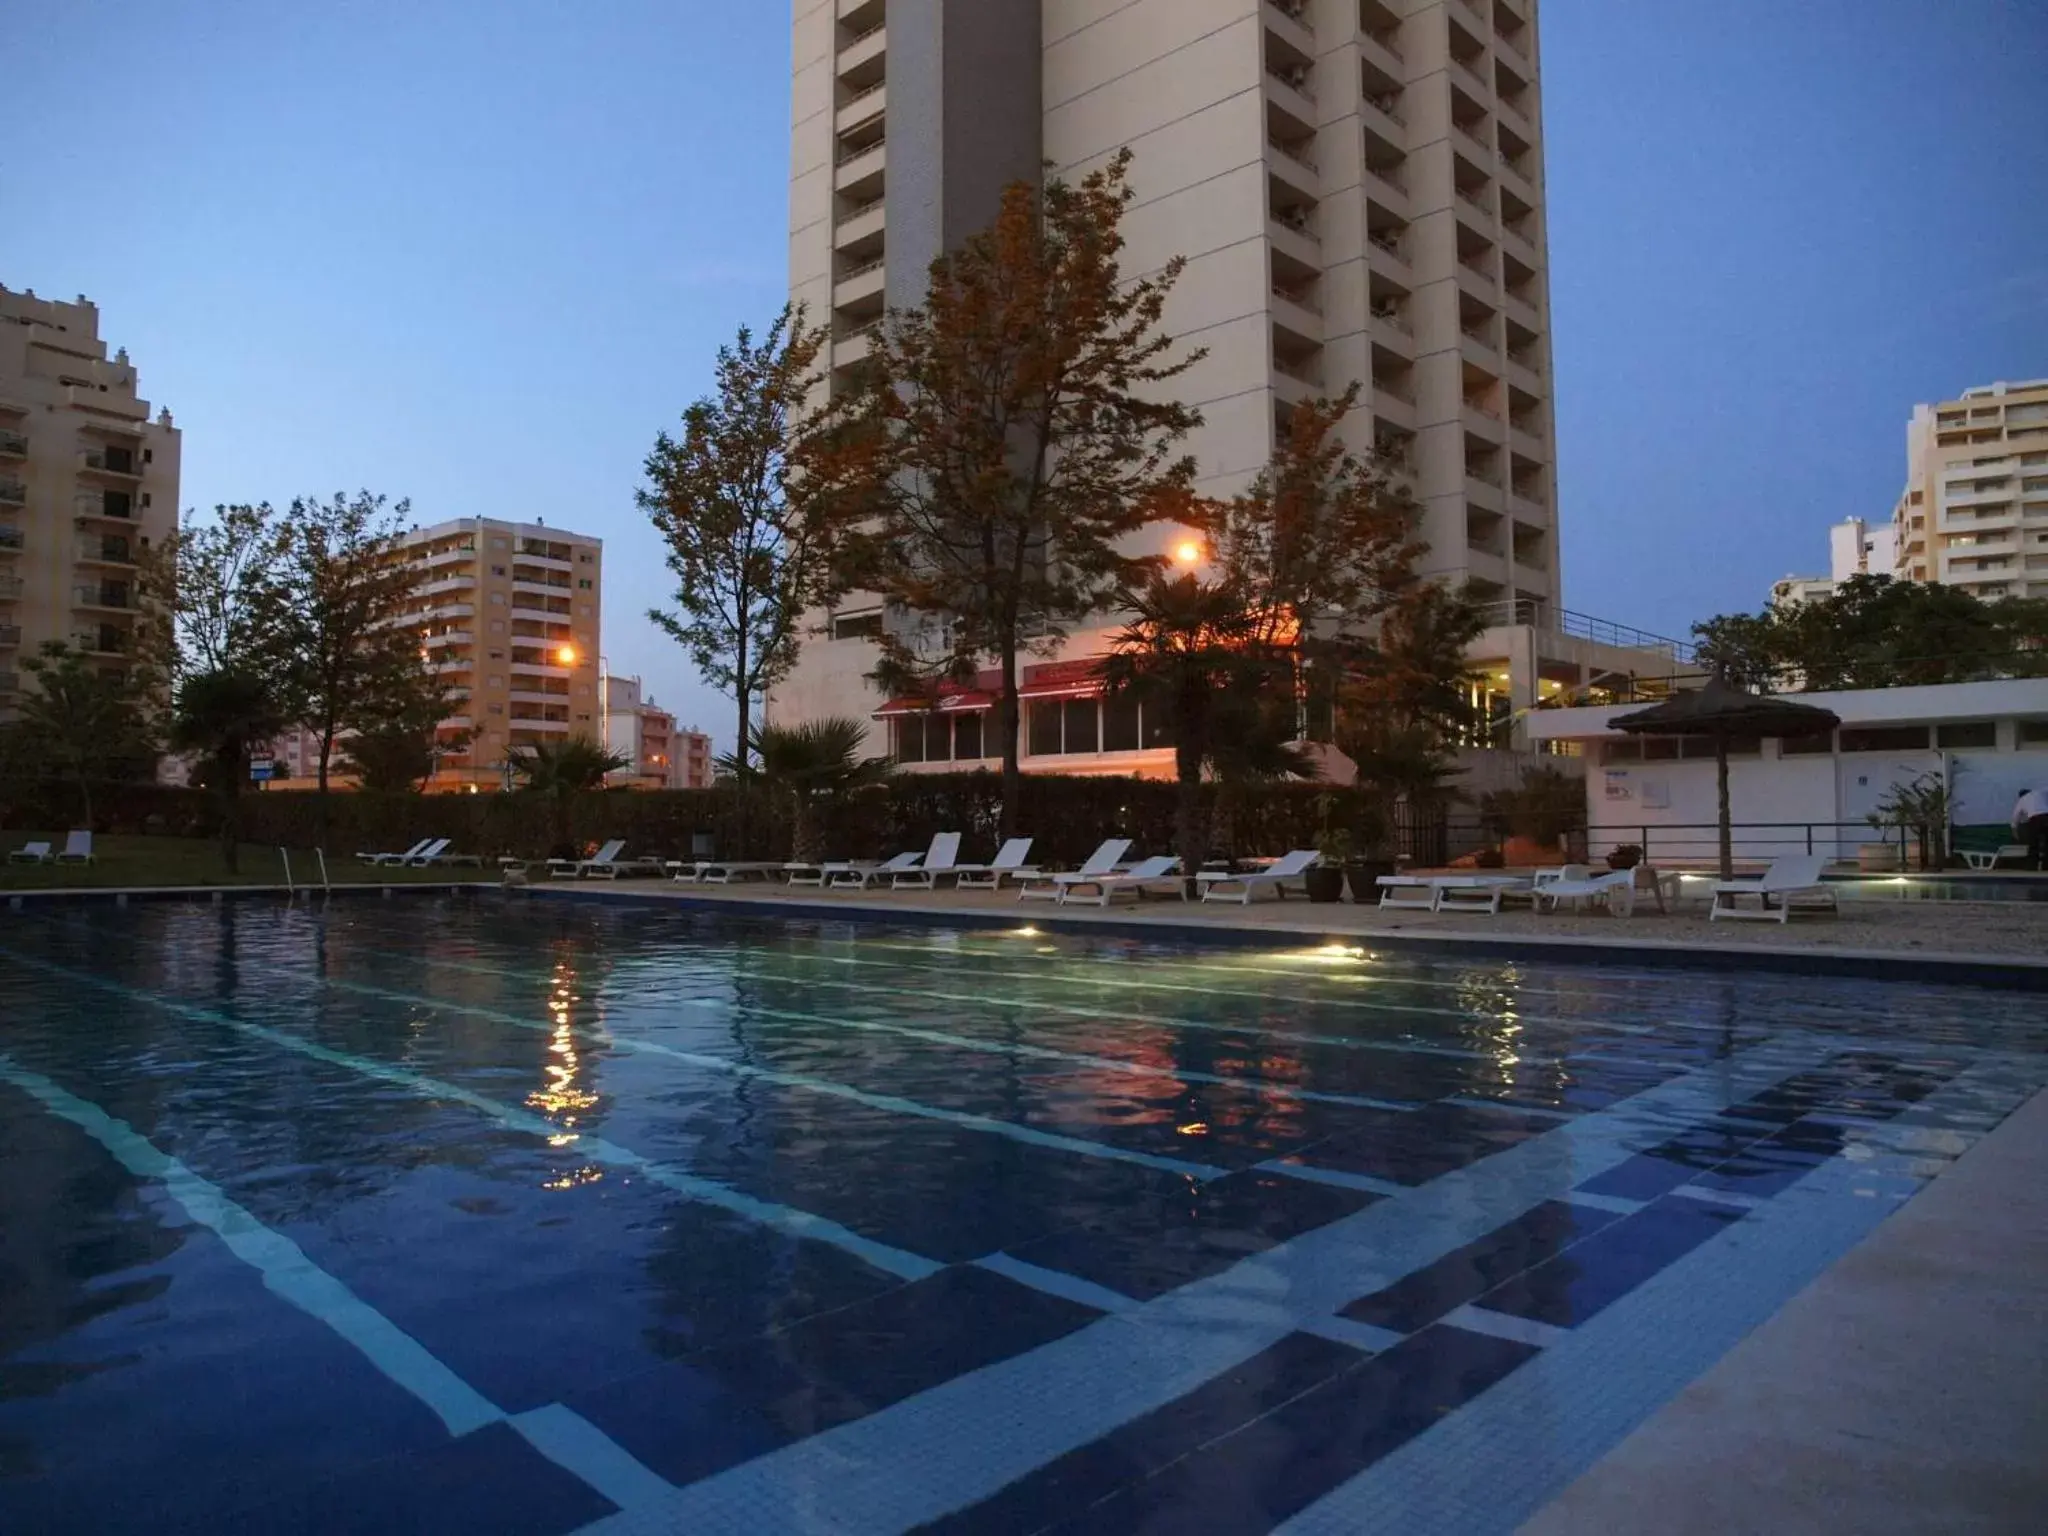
{"type": "Point", "coordinates": [1727, 828]}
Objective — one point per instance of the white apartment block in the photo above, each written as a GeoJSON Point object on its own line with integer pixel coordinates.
{"type": "Point", "coordinates": [88, 481]}
{"type": "Point", "coordinates": [1855, 548]}
{"type": "Point", "coordinates": [509, 614]}
{"type": "Point", "coordinates": [659, 754]}
{"type": "Point", "coordinates": [1974, 512]}
{"type": "Point", "coordinates": [1357, 188]}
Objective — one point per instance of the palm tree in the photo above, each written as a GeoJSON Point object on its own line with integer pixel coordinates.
{"type": "Point", "coordinates": [812, 763]}
{"type": "Point", "coordinates": [560, 771]}
{"type": "Point", "coordinates": [1191, 655]}
{"type": "Point", "coordinates": [223, 715]}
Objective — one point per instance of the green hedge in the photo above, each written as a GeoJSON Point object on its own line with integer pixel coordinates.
{"type": "Point", "coordinates": [1067, 817]}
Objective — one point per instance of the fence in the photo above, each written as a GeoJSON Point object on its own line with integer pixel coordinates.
{"type": "Point", "coordinates": [1700, 842]}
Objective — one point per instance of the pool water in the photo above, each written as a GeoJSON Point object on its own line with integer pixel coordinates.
{"type": "Point", "coordinates": [516, 1215]}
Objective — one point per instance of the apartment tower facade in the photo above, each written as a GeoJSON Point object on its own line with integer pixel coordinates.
{"type": "Point", "coordinates": [88, 481]}
{"type": "Point", "coordinates": [1356, 186]}
{"type": "Point", "coordinates": [510, 616]}
{"type": "Point", "coordinates": [1974, 512]}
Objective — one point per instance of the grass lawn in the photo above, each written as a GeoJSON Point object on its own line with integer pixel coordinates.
{"type": "Point", "coordinates": [141, 862]}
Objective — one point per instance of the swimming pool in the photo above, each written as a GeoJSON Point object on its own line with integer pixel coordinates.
{"type": "Point", "coordinates": [526, 1215]}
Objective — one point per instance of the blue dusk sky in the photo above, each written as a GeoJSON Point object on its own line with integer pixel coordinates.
{"type": "Point", "coordinates": [478, 254]}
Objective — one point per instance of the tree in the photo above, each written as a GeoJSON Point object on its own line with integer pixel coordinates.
{"type": "Point", "coordinates": [223, 587]}
{"type": "Point", "coordinates": [223, 715]}
{"type": "Point", "coordinates": [1005, 442]}
{"type": "Point", "coordinates": [1877, 632]}
{"type": "Point", "coordinates": [817, 761]}
{"type": "Point", "coordinates": [343, 630]}
{"type": "Point", "coordinates": [1191, 655]}
{"type": "Point", "coordinates": [399, 746]}
{"type": "Point", "coordinates": [559, 772]}
{"type": "Point", "coordinates": [81, 719]}
{"type": "Point", "coordinates": [745, 555]}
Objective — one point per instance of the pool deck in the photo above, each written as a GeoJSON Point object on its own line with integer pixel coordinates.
{"type": "Point", "coordinates": [1902, 1391]}
{"type": "Point", "coordinates": [2006, 941]}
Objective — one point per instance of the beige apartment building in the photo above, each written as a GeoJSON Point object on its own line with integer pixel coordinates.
{"type": "Point", "coordinates": [1974, 512]}
{"type": "Point", "coordinates": [1357, 188]}
{"type": "Point", "coordinates": [659, 754]}
{"type": "Point", "coordinates": [509, 615]}
{"type": "Point", "coordinates": [87, 482]}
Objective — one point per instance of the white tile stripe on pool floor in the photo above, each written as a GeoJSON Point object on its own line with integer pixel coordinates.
{"type": "Point", "coordinates": [955, 1444]}
{"type": "Point", "coordinates": [564, 1437]}
{"type": "Point", "coordinates": [1618, 1368]}
{"type": "Point", "coordinates": [767, 1213]}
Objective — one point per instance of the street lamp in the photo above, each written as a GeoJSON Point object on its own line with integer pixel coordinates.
{"type": "Point", "coordinates": [1187, 554]}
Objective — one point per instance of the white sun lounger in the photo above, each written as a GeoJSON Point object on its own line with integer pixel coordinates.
{"type": "Point", "coordinates": [1615, 890]}
{"type": "Point", "coordinates": [1102, 861]}
{"type": "Point", "coordinates": [572, 869]}
{"type": "Point", "coordinates": [1789, 883]}
{"type": "Point", "coordinates": [1991, 858]}
{"type": "Point", "coordinates": [1214, 883]}
{"type": "Point", "coordinates": [941, 859]}
{"type": "Point", "coordinates": [726, 871]}
{"type": "Point", "coordinates": [1452, 893]}
{"type": "Point", "coordinates": [858, 877]}
{"type": "Point", "coordinates": [1146, 872]}
{"type": "Point", "coordinates": [1008, 862]}
{"type": "Point", "coordinates": [30, 853]}
{"type": "Point", "coordinates": [77, 848]}
{"type": "Point", "coordinates": [406, 857]}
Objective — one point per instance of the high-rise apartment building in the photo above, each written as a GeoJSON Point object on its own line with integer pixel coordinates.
{"type": "Point", "coordinates": [1974, 512]}
{"type": "Point", "coordinates": [509, 615]}
{"type": "Point", "coordinates": [87, 482]}
{"type": "Point", "coordinates": [1357, 189]}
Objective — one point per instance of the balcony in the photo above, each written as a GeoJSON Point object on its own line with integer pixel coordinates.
{"type": "Point", "coordinates": [551, 557]}
{"type": "Point", "coordinates": [862, 106]}
{"type": "Point", "coordinates": [1291, 94]}
{"type": "Point", "coordinates": [10, 683]}
{"type": "Point", "coordinates": [1295, 163]}
{"type": "Point", "coordinates": [860, 227]}
{"type": "Point", "coordinates": [10, 539]}
{"type": "Point", "coordinates": [547, 585]}
{"type": "Point", "coordinates": [110, 464]}
{"type": "Point", "coordinates": [440, 612]}
{"type": "Point", "coordinates": [863, 48]}
{"type": "Point", "coordinates": [13, 493]}
{"type": "Point", "coordinates": [107, 640]}
{"type": "Point", "coordinates": [109, 506]}
{"type": "Point", "coordinates": [13, 445]}
{"type": "Point", "coordinates": [860, 285]}
{"type": "Point", "coordinates": [529, 602]}
{"type": "Point", "coordinates": [108, 596]}
{"type": "Point", "coordinates": [861, 167]}
{"type": "Point", "coordinates": [10, 588]}
{"type": "Point", "coordinates": [448, 637]}
{"type": "Point", "coordinates": [1296, 239]}
{"type": "Point", "coordinates": [1298, 315]}
{"type": "Point", "coordinates": [1393, 317]}
{"type": "Point", "coordinates": [10, 637]}
{"type": "Point", "coordinates": [106, 552]}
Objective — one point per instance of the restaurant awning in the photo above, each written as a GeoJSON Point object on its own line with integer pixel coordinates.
{"type": "Point", "coordinates": [1080, 679]}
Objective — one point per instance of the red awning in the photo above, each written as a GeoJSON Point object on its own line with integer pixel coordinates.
{"type": "Point", "coordinates": [1080, 679]}
{"type": "Point", "coordinates": [949, 703]}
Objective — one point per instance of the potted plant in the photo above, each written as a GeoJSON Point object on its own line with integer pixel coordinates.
{"type": "Point", "coordinates": [1325, 879]}
{"type": "Point", "coordinates": [1625, 856]}
{"type": "Point", "coordinates": [1375, 855]}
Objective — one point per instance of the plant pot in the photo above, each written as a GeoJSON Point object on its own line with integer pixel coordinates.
{"type": "Point", "coordinates": [1324, 884]}
{"type": "Point", "coordinates": [1364, 879]}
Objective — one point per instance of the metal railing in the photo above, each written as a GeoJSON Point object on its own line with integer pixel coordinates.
{"type": "Point", "coordinates": [848, 153]}
{"type": "Point", "coordinates": [13, 443]}
{"type": "Point", "coordinates": [1538, 614]}
{"type": "Point", "coordinates": [1755, 842]}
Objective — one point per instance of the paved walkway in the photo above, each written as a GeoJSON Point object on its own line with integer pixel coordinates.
{"type": "Point", "coordinates": [1904, 1391]}
{"type": "Point", "coordinates": [1885, 932]}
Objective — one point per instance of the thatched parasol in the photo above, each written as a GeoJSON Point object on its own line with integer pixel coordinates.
{"type": "Point", "coordinates": [1721, 710]}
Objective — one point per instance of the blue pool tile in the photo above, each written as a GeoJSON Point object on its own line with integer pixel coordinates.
{"type": "Point", "coordinates": [1678, 1160]}
{"type": "Point", "coordinates": [491, 1480]}
{"type": "Point", "coordinates": [1152, 1444]}
{"type": "Point", "coordinates": [724, 1406]}
{"type": "Point", "coordinates": [1159, 1244]}
{"type": "Point", "coordinates": [1285, 1459]}
{"type": "Point", "coordinates": [1608, 1265]}
{"type": "Point", "coordinates": [1770, 1166]}
{"type": "Point", "coordinates": [1471, 1271]}
{"type": "Point", "coordinates": [1426, 1144]}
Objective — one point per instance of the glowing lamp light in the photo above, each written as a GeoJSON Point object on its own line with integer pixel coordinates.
{"type": "Point", "coordinates": [566, 655]}
{"type": "Point", "coordinates": [1187, 552]}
